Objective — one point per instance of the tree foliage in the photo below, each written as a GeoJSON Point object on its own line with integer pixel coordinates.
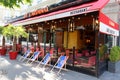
{"type": "Point", "coordinates": [15, 32]}
{"type": "Point", "coordinates": [3, 38]}
{"type": "Point", "coordinates": [1, 28]}
{"type": "Point", "coordinates": [114, 54]}
{"type": "Point", "coordinates": [13, 3]}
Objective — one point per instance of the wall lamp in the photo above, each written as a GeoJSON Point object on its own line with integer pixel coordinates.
{"type": "Point", "coordinates": [71, 26]}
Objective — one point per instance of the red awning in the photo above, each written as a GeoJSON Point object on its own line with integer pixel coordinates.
{"type": "Point", "coordinates": [108, 26]}
{"type": "Point", "coordinates": [84, 8]}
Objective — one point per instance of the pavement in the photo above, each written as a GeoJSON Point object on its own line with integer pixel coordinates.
{"type": "Point", "coordinates": [17, 70]}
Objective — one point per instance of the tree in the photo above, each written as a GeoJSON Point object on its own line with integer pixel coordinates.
{"type": "Point", "coordinates": [15, 32]}
{"type": "Point", "coordinates": [13, 3]}
{"type": "Point", "coordinates": [3, 39]}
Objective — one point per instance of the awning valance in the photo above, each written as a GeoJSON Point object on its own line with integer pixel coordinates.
{"type": "Point", "coordinates": [108, 26]}
{"type": "Point", "coordinates": [84, 8]}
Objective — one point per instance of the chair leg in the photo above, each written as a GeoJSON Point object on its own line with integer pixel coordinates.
{"type": "Point", "coordinates": [43, 65]}
{"type": "Point", "coordinates": [28, 61]}
{"type": "Point", "coordinates": [53, 66]}
{"type": "Point", "coordinates": [65, 65]}
{"type": "Point", "coordinates": [38, 65]}
{"type": "Point", "coordinates": [31, 62]}
{"type": "Point", "coordinates": [23, 59]}
{"type": "Point", "coordinates": [59, 71]}
{"type": "Point", "coordinates": [51, 69]}
{"type": "Point", "coordinates": [19, 58]}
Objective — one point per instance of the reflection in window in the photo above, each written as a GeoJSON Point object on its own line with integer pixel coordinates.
{"type": "Point", "coordinates": [108, 41]}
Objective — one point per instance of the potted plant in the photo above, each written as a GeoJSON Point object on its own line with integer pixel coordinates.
{"type": "Point", "coordinates": [114, 58]}
{"type": "Point", "coordinates": [15, 32]}
{"type": "Point", "coordinates": [102, 52]}
{"type": "Point", "coordinates": [2, 49]}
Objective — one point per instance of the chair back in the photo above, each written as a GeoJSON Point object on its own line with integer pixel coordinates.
{"type": "Point", "coordinates": [93, 52]}
{"type": "Point", "coordinates": [35, 55]}
{"type": "Point", "coordinates": [46, 59]}
{"type": "Point", "coordinates": [67, 52]}
{"type": "Point", "coordinates": [59, 50]}
{"type": "Point", "coordinates": [51, 50]}
{"type": "Point", "coordinates": [42, 51]}
{"type": "Point", "coordinates": [27, 53]}
{"type": "Point", "coordinates": [92, 60]}
{"type": "Point", "coordinates": [24, 49]}
{"type": "Point", "coordinates": [86, 53]}
{"type": "Point", "coordinates": [61, 61]}
{"type": "Point", "coordinates": [37, 49]}
{"type": "Point", "coordinates": [32, 48]}
{"type": "Point", "coordinates": [77, 54]}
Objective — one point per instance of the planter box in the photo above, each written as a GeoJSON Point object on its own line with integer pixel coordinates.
{"type": "Point", "coordinates": [113, 66]}
{"type": "Point", "coordinates": [13, 55]}
{"type": "Point", "coordinates": [3, 52]}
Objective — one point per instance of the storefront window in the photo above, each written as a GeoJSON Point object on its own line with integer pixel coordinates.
{"type": "Point", "coordinates": [84, 56]}
{"type": "Point", "coordinates": [109, 41]}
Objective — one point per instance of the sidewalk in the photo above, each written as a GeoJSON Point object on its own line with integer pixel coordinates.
{"type": "Point", "coordinates": [16, 70]}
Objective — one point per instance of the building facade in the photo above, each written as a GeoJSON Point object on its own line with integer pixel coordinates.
{"type": "Point", "coordinates": [37, 4]}
{"type": "Point", "coordinates": [77, 28]}
{"type": "Point", "coordinates": [7, 14]}
{"type": "Point", "coordinates": [112, 10]}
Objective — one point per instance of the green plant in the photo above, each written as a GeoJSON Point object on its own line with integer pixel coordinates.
{"type": "Point", "coordinates": [114, 54]}
{"type": "Point", "coordinates": [15, 32]}
{"type": "Point", "coordinates": [102, 51]}
{"type": "Point", "coordinates": [3, 38]}
{"type": "Point", "coordinates": [13, 3]}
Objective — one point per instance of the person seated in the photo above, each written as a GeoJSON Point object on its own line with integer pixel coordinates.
{"type": "Point", "coordinates": [42, 52]}
{"type": "Point", "coordinates": [32, 48]}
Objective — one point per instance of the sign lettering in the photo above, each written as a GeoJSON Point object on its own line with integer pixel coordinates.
{"type": "Point", "coordinates": [37, 12]}
{"type": "Point", "coordinates": [110, 31]}
{"type": "Point", "coordinates": [111, 23]}
{"type": "Point", "coordinates": [78, 11]}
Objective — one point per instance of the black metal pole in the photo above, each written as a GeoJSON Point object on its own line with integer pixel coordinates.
{"type": "Point", "coordinates": [50, 39]}
{"type": "Point", "coordinates": [97, 57]}
{"type": "Point", "coordinates": [73, 56]}
{"type": "Point", "coordinates": [67, 39]}
{"type": "Point", "coordinates": [57, 51]}
{"type": "Point", "coordinates": [28, 38]}
{"type": "Point", "coordinates": [44, 40]}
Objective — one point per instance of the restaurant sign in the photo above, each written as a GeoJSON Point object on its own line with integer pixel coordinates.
{"type": "Point", "coordinates": [79, 11]}
{"type": "Point", "coordinates": [107, 26]}
{"type": "Point", "coordinates": [58, 6]}
{"type": "Point", "coordinates": [37, 12]}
